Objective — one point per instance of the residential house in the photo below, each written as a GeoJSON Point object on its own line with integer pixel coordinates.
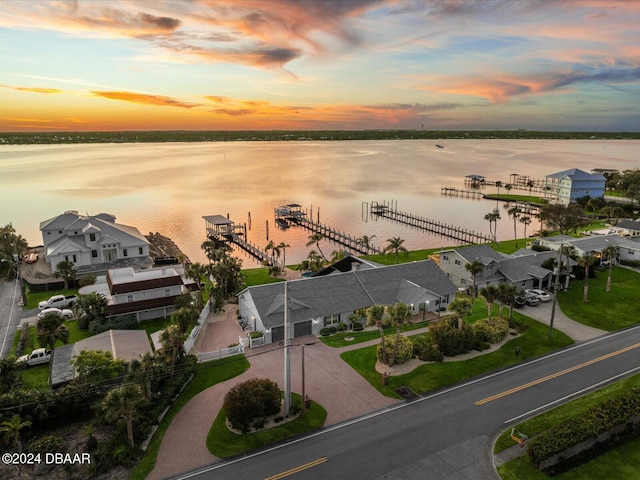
{"type": "Point", "coordinates": [628, 250]}
{"type": "Point", "coordinates": [146, 294]}
{"type": "Point", "coordinates": [327, 300]}
{"type": "Point", "coordinates": [127, 345]}
{"type": "Point", "coordinates": [569, 185]}
{"type": "Point", "coordinates": [628, 228]}
{"type": "Point", "coordinates": [93, 243]}
{"type": "Point", "coordinates": [523, 270]}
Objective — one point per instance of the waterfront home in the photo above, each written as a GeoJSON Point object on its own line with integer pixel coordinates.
{"type": "Point", "coordinates": [628, 250]}
{"type": "Point", "coordinates": [144, 294]}
{"type": "Point", "coordinates": [523, 269]}
{"type": "Point", "coordinates": [570, 185]}
{"type": "Point", "coordinates": [93, 243]}
{"type": "Point", "coordinates": [327, 300]}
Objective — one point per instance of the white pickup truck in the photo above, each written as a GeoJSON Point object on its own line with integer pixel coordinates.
{"type": "Point", "coordinates": [38, 356]}
{"type": "Point", "coordinates": [58, 301]}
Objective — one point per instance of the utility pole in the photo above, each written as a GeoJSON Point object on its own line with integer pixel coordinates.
{"type": "Point", "coordinates": [304, 398]}
{"type": "Point", "coordinates": [287, 354]}
{"type": "Point", "coordinates": [555, 291]}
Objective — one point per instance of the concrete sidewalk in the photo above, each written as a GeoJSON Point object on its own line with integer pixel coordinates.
{"type": "Point", "coordinates": [577, 331]}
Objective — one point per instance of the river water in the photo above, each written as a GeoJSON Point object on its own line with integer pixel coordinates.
{"type": "Point", "coordinates": [168, 187]}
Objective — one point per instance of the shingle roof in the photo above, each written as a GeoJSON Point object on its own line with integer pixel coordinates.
{"type": "Point", "coordinates": [576, 174]}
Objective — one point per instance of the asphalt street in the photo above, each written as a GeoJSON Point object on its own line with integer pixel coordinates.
{"type": "Point", "coordinates": [447, 434]}
{"type": "Point", "coordinates": [10, 314]}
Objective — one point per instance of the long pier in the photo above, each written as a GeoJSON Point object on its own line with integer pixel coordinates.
{"type": "Point", "coordinates": [222, 229]}
{"type": "Point", "coordinates": [459, 193]}
{"type": "Point", "coordinates": [297, 217]}
{"type": "Point", "coordinates": [433, 226]}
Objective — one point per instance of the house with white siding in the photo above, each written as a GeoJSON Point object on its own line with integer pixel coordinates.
{"type": "Point", "coordinates": [570, 185]}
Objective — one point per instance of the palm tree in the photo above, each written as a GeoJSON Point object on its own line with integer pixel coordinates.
{"type": "Point", "coordinates": [11, 429]}
{"type": "Point", "coordinates": [375, 316]}
{"type": "Point", "coordinates": [526, 221]}
{"type": "Point", "coordinates": [530, 184]}
{"type": "Point", "coordinates": [568, 251]}
{"type": "Point", "coordinates": [514, 212]}
{"type": "Point", "coordinates": [143, 371]}
{"type": "Point", "coordinates": [506, 296]}
{"type": "Point", "coordinates": [508, 187]}
{"type": "Point", "coordinates": [586, 261]}
{"type": "Point", "coordinates": [67, 271]}
{"type": "Point", "coordinates": [498, 184]}
{"type": "Point", "coordinates": [399, 313]}
{"type": "Point", "coordinates": [336, 255]}
{"type": "Point", "coordinates": [92, 305]}
{"type": "Point", "coordinates": [365, 241]}
{"type": "Point", "coordinates": [283, 246]}
{"type": "Point", "coordinates": [474, 268]}
{"type": "Point", "coordinates": [50, 329]}
{"type": "Point", "coordinates": [490, 293]}
{"type": "Point", "coordinates": [315, 239]}
{"type": "Point", "coordinates": [461, 307]}
{"type": "Point", "coordinates": [610, 252]}
{"type": "Point", "coordinates": [172, 340]}
{"type": "Point", "coordinates": [395, 246]}
{"type": "Point", "coordinates": [122, 402]}
{"type": "Point", "coordinates": [493, 218]}
{"type": "Point", "coordinates": [313, 262]}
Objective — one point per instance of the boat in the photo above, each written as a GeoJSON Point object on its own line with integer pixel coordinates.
{"type": "Point", "coordinates": [439, 145]}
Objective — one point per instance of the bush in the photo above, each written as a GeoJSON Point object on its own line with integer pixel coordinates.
{"type": "Point", "coordinates": [85, 280]}
{"type": "Point", "coordinates": [249, 402]}
{"type": "Point", "coordinates": [257, 334]}
{"type": "Point", "coordinates": [342, 327]}
{"type": "Point", "coordinates": [405, 349]}
{"type": "Point", "coordinates": [425, 350]}
{"type": "Point", "coordinates": [492, 331]}
{"type": "Point", "coordinates": [328, 331]}
{"type": "Point", "coordinates": [358, 327]}
{"type": "Point", "coordinates": [451, 341]}
{"type": "Point", "coordinates": [83, 322]}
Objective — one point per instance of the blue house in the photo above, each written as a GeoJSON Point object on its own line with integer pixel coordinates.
{"type": "Point", "coordinates": [569, 185]}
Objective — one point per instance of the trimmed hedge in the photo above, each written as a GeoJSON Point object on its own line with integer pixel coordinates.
{"type": "Point", "coordinates": [492, 331]}
{"type": "Point", "coordinates": [405, 349]}
{"type": "Point", "coordinates": [589, 425]}
{"type": "Point", "coordinates": [328, 331]}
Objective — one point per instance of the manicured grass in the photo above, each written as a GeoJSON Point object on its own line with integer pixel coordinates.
{"type": "Point", "coordinates": [259, 276]}
{"type": "Point", "coordinates": [207, 375]}
{"type": "Point", "coordinates": [540, 423]}
{"type": "Point", "coordinates": [411, 256]}
{"type": "Point", "coordinates": [337, 340]}
{"type": "Point", "coordinates": [36, 377]}
{"type": "Point", "coordinates": [621, 463]}
{"type": "Point", "coordinates": [534, 342]}
{"type": "Point", "coordinates": [605, 310]}
{"type": "Point", "coordinates": [33, 298]}
{"type": "Point", "coordinates": [517, 198]}
{"type": "Point", "coordinates": [223, 443]}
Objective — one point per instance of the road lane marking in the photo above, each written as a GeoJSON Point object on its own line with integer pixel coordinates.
{"type": "Point", "coordinates": [555, 375]}
{"type": "Point", "coordinates": [298, 469]}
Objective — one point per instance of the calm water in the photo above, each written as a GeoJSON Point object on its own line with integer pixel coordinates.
{"type": "Point", "coordinates": [167, 188]}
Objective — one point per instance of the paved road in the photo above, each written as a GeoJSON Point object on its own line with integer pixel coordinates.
{"type": "Point", "coordinates": [10, 314]}
{"type": "Point", "coordinates": [447, 434]}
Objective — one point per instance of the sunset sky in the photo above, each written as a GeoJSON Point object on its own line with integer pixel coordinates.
{"type": "Point", "coordinates": [314, 64]}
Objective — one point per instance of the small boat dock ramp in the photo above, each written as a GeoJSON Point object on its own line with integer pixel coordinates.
{"type": "Point", "coordinates": [457, 233]}
{"type": "Point", "coordinates": [222, 229]}
{"type": "Point", "coordinates": [293, 214]}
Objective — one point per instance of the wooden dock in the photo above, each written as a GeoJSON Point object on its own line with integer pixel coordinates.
{"type": "Point", "coordinates": [457, 233]}
{"type": "Point", "coordinates": [295, 216]}
{"type": "Point", "coordinates": [456, 192]}
{"type": "Point", "coordinates": [222, 229]}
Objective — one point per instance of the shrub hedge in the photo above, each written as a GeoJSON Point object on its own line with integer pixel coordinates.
{"type": "Point", "coordinates": [492, 331]}
{"type": "Point", "coordinates": [405, 349]}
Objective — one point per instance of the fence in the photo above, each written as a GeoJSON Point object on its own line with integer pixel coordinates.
{"type": "Point", "coordinates": [222, 353]}
{"type": "Point", "coordinates": [193, 336]}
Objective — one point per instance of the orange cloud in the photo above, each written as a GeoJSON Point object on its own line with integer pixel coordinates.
{"type": "Point", "coordinates": [34, 89]}
{"type": "Point", "coordinates": [144, 99]}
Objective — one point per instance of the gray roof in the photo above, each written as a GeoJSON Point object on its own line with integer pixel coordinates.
{"type": "Point", "coordinates": [523, 267]}
{"type": "Point", "coordinates": [316, 297]}
{"type": "Point", "coordinates": [629, 225]}
{"type": "Point", "coordinates": [484, 253]}
{"type": "Point", "coordinates": [576, 174]}
{"type": "Point", "coordinates": [599, 242]}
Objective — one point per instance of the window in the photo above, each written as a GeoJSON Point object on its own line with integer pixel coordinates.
{"type": "Point", "coordinates": [457, 262]}
{"type": "Point", "coordinates": [140, 251]}
{"type": "Point", "coordinates": [445, 258]}
{"type": "Point", "coordinates": [129, 298]}
{"type": "Point", "coordinates": [167, 292]}
{"type": "Point", "coordinates": [124, 252]}
{"type": "Point", "coordinates": [92, 237]}
{"type": "Point", "coordinates": [94, 253]}
{"type": "Point", "coordinates": [331, 320]}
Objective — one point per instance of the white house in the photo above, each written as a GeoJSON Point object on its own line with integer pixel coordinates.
{"type": "Point", "coordinates": [92, 242]}
{"type": "Point", "coordinates": [569, 185]}
{"type": "Point", "coordinates": [628, 250]}
{"type": "Point", "coordinates": [327, 300]}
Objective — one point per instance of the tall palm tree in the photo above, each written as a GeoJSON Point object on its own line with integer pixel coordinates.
{"type": "Point", "coordinates": [461, 307]}
{"type": "Point", "coordinates": [394, 245]}
{"type": "Point", "coordinates": [568, 251]}
{"type": "Point", "coordinates": [506, 296]}
{"type": "Point", "coordinates": [526, 221]}
{"type": "Point", "coordinates": [490, 293]}
{"type": "Point", "coordinates": [610, 253]}
{"type": "Point", "coordinates": [586, 261]}
{"type": "Point", "coordinates": [67, 271]}
{"type": "Point", "coordinates": [530, 184]}
{"type": "Point", "coordinates": [514, 212]}
{"type": "Point", "coordinates": [375, 316]}
{"type": "Point", "coordinates": [493, 218]}
{"type": "Point", "coordinates": [50, 329]}
{"type": "Point", "coordinates": [123, 402]}
{"type": "Point", "coordinates": [12, 428]}
{"type": "Point", "coordinates": [474, 268]}
{"type": "Point", "coordinates": [172, 340]}
{"type": "Point", "coordinates": [315, 239]}
{"type": "Point", "coordinates": [283, 246]}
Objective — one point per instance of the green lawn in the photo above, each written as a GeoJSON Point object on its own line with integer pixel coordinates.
{"type": "Point", "coordinates": [207, 375]}
{"type": "Point", "coordinates": [605, 310]}
{"type": "Point", "coordinates": [223, 443]}
{"type": "Point", "coordinates": [33, 298]}
{"type": "Point", "coordinates": [534, 342]}
{"type": "Point", "coordinates": [259, 276]}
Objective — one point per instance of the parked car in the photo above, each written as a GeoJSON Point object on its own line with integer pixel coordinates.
{"type": "Point", "coordinates": [530, 299]}
{"type": "Point", "coordinates": [519, 301]}
{"type": "Point", "coordinates": [38, 356]}
{"type": "Point", "coordinates": [541, 294]}
{"type": "Point", "coordinates": [58, 301]}
{"type": "Point", "coordinates": [66, 313]}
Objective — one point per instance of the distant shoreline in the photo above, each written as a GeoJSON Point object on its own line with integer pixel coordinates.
{"type": "Point", "coordinates": [438, 136]}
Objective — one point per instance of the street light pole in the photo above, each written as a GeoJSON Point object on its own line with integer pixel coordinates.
{"type": "Point", "coordinates": [555, 292]}
{"type": "Point", "coordinates": [287, 357]}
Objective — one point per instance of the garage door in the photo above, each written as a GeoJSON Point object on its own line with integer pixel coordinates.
{"type": "Point", "coordinates": [302, 329]}
{"type": "Point", "coordinates": [277, 334]}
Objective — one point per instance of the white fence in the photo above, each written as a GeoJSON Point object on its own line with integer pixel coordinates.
{"type": "Point", "coordinates": [222, 353]}
{"type": "Point", "coordinates": [193, 336]}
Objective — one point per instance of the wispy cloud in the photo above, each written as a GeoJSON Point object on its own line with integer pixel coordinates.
{"type": "Point", "coordinates": [33, 89]}
{"type": "Point", "coordinates": [144, 99]}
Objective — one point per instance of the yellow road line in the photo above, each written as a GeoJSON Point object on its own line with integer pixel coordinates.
{"type": "Point", "coordinates": [298, 469]}
{"type": "Point", "coordinates": [555, 375]}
